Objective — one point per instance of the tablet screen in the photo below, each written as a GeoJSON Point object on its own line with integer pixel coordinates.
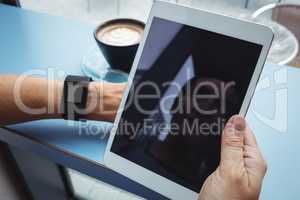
{"type": "Point", "coordinates": [187, 84]}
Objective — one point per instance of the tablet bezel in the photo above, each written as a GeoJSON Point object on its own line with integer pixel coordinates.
{"type": "Point", "coordinates": [217, 23]}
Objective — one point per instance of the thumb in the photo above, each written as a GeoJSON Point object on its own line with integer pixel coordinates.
{"type": "Point", "coordinates": [232, 146]}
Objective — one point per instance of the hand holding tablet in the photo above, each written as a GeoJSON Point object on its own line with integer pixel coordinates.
{"type": "Point", "coordinates": [192, 72]}
{"type": "Point", "coordinates": [242, 167]}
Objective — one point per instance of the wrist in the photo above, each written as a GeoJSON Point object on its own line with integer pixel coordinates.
{"type": "Point", "coordinates": [103, 100]}
{"type": "Point", "coordinates": [53, 100]}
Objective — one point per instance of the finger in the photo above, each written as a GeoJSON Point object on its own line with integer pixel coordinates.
{"type": "Point", "coordinates": [250, 138]}
{"type": "Point", "coordinates": [233, 141]}
{"type": "Point", "coordinates": [254, 163]}
{"type": "Point", "coordinates": [256, 169]}
{"type": "Point", "coordinates": [252, 152]}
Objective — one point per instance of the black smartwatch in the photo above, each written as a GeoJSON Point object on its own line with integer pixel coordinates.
{"type": "Point", "coordinates": [75, 94]}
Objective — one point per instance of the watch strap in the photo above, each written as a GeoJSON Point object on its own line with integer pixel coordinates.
{"type": "Point", "coordinates": [75, 93]}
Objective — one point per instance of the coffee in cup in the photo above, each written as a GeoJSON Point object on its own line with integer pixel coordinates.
{"type": "Point", "coordinates": [118, 40]}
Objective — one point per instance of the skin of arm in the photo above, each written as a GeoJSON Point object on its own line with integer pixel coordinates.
{"type": "Point", "coordinates": [31, 98]}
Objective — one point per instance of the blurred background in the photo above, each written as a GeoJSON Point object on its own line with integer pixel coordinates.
{"type": "Point", "coordinates": [96, 11]}
{"type": "Point", "coordinates": [281, 15]}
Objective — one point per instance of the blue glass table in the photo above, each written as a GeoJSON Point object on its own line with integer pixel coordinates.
{"type": "Point", "coordinates": [37, 41]}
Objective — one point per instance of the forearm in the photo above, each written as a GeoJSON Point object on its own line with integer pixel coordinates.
{"type": "Point", "coordinates": [31, 98]}
{"type": "Point", "coordinates": [103, 100]}
{"type": "Point", "coordinates": [26, 99]}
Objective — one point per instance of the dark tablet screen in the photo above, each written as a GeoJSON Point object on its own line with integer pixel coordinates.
{"type": "Point", "coordinates": [187, 84]}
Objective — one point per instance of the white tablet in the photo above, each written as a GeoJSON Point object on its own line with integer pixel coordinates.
{"type": "Point", "coordinates": [193, 70]}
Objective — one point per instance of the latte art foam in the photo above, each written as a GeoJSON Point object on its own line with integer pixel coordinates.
{"type": "Point", "coordinates": [120, 34]}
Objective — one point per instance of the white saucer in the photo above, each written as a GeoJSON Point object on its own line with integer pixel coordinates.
{"type": "Point", "coordinates": [95, 66]}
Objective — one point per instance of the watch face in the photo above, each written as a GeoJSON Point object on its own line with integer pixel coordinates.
{"type": "Point", "coordinates": [75, 93]}
{"type": "Point", "coordinates": [75, 96]}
